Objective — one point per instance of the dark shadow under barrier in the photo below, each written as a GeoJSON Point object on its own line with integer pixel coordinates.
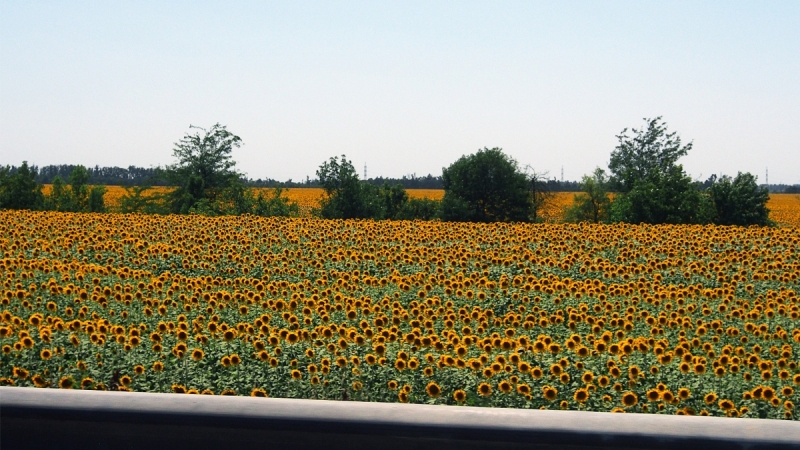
{"type": "Point", "coordinates": [72, 419]}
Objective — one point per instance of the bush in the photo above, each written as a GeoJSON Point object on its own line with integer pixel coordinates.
{"type": "Point", "coordinates": [20, 190]}
{"type": "Point", "coordinates": [419, 208]}
{"type": "Point", "coordinates": [346, 196]}
{"type": "Point", "coordinates": [592, 204]}
{"type": "Point", "coordinates": [660, 198]}
{"type": "Point", "coordinates": [739, 201]}
{"type": "Point", "coordinates": [486, 186]}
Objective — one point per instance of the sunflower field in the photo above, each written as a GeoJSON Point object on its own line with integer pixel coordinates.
{"type": "Point", "coordinates": [631, 318]}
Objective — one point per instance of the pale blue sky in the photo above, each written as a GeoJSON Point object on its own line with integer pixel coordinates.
{"type": "Point", "coordinates": [407, 87]}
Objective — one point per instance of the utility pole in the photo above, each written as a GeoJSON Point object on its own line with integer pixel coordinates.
{"type": "Point", "coordinates": [562, 174]}
{"type": "Point", "coordinates": [766, 177]}
{"type": "Point", "coordinates": [365, 171]}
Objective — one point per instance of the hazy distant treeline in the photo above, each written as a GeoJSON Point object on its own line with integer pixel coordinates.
{"type": "Point", "coordinates": [154, 176]}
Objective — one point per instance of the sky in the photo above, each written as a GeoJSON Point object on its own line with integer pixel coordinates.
{"type": "Point", "coordinates": [403, 87]}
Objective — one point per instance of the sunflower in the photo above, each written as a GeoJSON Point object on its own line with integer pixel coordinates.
{"type": "Point", "coordinates": [505, 387]}
{"type": "Point", "coordinates": [296, 374]}
{"type": "Point", "coordinates": [710, 398]}
{"type": "Point", "coordinates": [39, 381]}
{"type": "Point", "coordinates": [485, 389]}
{"type": "Point", "coordinates": [603, 381]}
{"type": "Point", "coordinates": [684, 393]}
{"type": "Point", "coordinates": [726, 405]}
{"type": "Point", "coordinates": [550, 393]}
{"type": "Point", "coordinates": [225, 361]}
{"type": "Point", "coordinates": [66, 383]}
{"type": "Point", "coordinates": [460, 396]}
{"type": "Point", "coordinates": [197, 354]}
{"type": "Point", "coordinates": [178, 389]}
{"type": "Point", "coordinates": [581, 395]}
{"type": "Point", "coordinates": [653, 395]}
{"type": "Point", "coordinates": [403, 397]}
{"type": "Point", "coordinates": [629, 399]}
{"type": "Point", "coordinates": [433, 390]}
{"type": "Point", "coordinates": [392, 384]}
{"type": "Point", "coordinates": [229, 335]}
{"type": "Point", "coordinates": [46, 354]}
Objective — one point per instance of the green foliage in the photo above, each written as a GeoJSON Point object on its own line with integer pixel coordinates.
{"type": "Point", "coordinates": [138, 199]}
{"type": "Point", "coordinates": [20, 190]}
{"type": "Point", "coordinates": [653, 188]}
{"type": "Point", "coordinates": [95, 202]}
{"type": "Point", "coordinates": [276, 205]}
{"type": "Point", "coordinates": [669, 197]}
{"type": "Point", "coordinates": [347, 197]}
{"type": "Point", "coordinates": [238, 200]}
{"type": "Point", "coordinates": [392, 200]}
{"type": "Point", "coordinates": [739, 201]}
{"type": "Point", "coordinates": [204, 169]}
{"type": "Point", "coordinates": [592, 204]}
{"type": "Point", "coordinates": [76, 196]}
{"type": "Point", "coordinates": [486, 186]}
{"type": "Point", "coordinates": [419, 208]}
{"type": "Point", "coordinates": [646, 153]}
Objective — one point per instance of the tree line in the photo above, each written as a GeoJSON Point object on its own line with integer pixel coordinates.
{"type": "Point", "coordinates": [647, 182]}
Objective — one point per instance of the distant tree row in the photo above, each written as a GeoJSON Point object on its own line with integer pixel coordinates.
{"type": "Point", "coordinates": [20, 190]}
{"type": "Point", "coordinates": [487, 186]}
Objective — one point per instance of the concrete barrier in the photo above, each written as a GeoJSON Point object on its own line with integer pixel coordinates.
{"type": "Point", "coordinates": [52, 418]}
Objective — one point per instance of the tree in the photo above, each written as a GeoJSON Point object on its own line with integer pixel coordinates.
{"type": "Point", "coordinates": [204, 169]}
{"type": "Point", "coordinates": [345, 196]}
{"type": "Point", "coordinates": [541, 192]}
{"type": "Point", "coordinates": [668, 197]}
{"type": "Point", "coordinates": [80, 191]}
{"type": "Point", "coordinates": [393, 198]}
{"type": "Point", "coordinates": [20, 190]}
{"type": "Point", "coordinates": [593, 203]}
{"type": "Point", "coordinates": [60, 197]}
{"type": "Point", "coordinates": [95, 202]}
{"type": "Point", "coordinates": [652, 187]}
{"type": "Point", "coordinates": [649, 151]}
{"type": "Point", "coordinates": [486, 186]}
{"type": "Point", "coordinates": [739, 201]}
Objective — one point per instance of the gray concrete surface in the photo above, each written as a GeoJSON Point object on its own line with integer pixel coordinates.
{"type": "Point", "coordinates": [52, 418]}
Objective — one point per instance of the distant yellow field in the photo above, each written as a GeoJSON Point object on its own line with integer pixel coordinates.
{"type": "Point", "coordinates": [784, 208]}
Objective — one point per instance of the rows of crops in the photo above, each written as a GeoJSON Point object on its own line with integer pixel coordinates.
{"type": "Point", "coordinates": [671, 319]}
